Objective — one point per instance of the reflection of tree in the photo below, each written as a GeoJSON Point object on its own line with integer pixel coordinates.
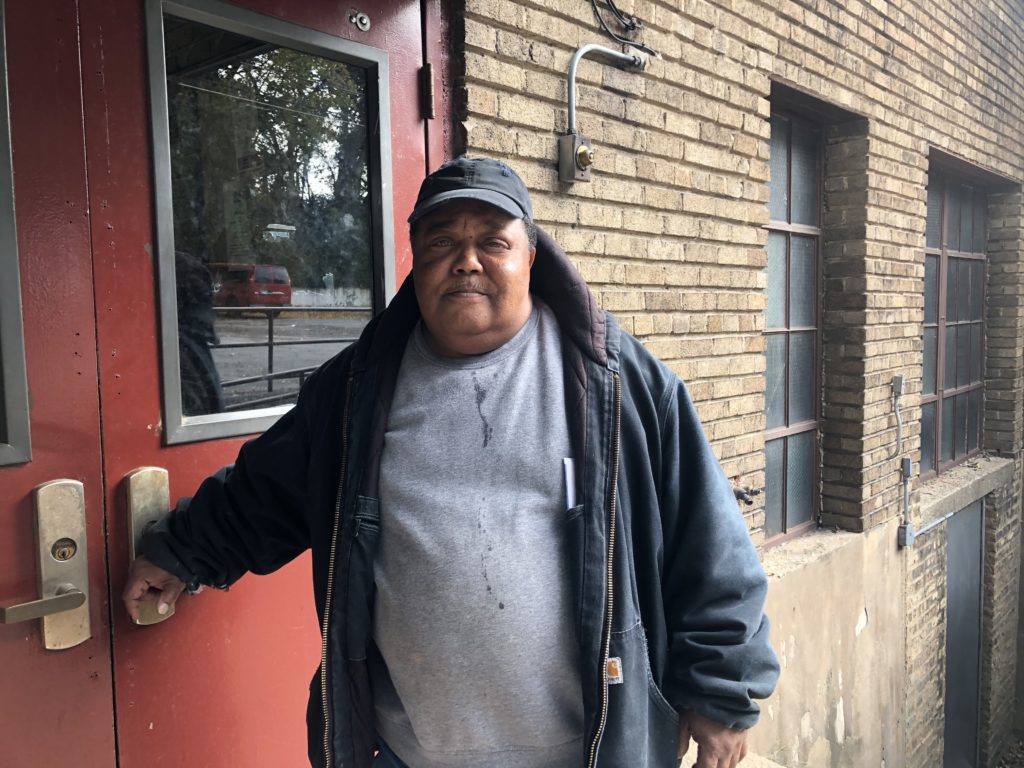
{"type": "Point", "coordinates": [278, 137]}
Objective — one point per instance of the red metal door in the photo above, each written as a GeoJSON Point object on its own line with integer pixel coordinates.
{"type": "Point", "coordinates": [224, 681]}
{"type": "Point", "coordinates": [54, 705]}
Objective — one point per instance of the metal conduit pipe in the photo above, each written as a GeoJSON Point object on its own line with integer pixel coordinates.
{"type": "Point", "coordinates": [623, 59]}
{"type": "Point", "coordinates": [575, 153]}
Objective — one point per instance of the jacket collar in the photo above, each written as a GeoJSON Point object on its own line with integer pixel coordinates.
{"type": "Point", "coordinates": [553, 279]}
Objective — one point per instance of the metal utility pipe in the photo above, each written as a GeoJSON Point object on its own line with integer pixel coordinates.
{"type": "Point", "coordinates": [897, 396]}
{"type": "Point", "coordinates": [906, 470]}
{"type": "Point", "coordinates": [624, 59]}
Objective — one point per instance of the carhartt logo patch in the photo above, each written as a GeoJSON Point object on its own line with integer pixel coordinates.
{"type": "Point", "coordinates": [614, 671]}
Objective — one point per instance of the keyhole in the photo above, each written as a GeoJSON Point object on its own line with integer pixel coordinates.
{"type": "Point", "coordinates": [63, 549]}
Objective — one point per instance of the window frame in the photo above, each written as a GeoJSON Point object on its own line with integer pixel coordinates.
{"type": "Point", "coordinates": [789, 430]}
{"type": "Point", "coordinates": [185, 429]}
{"type": "Point", "coordinates": [15, 433]}
{"type": "Point", "coordinates": [941, 394]}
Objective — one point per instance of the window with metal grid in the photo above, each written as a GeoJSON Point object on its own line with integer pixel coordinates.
{"type": "Point", "coordinates": [954, 327]}
{"type": "Point", "coordinates": [793, 327]}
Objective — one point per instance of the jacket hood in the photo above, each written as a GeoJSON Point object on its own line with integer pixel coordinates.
{"type": "Point", "coordinates": [553, 279]}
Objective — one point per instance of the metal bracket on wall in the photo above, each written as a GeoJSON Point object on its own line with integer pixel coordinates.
{"type": "Point", "coordinates": [575, 152]}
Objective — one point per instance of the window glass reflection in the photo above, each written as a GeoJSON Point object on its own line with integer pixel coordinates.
{"type": "Point", "coordinates": [934, 219]}
{"type": "Point", "coordinates": [806, 188]}
{"type": "Point", "coordinates": [776, 310]}
{"type": "Point", "coordinates": [927, 438]}
{"type": "Point", "coordinates": [774, 486]}
{"type": "Point", "coordinates": [778, 170]}
{"type": "Point", "coordinates": [800, 465]}
{"type": "Point", "coordinates": [775, 375]}
{"type": "Point", "coordinates": [272, 211]}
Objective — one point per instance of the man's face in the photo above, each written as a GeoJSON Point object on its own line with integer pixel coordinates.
{"type": "Point", "coordinates": [471, 268]}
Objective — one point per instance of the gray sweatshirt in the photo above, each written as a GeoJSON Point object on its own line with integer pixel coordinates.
{"type": "Point", "coordinates": [473, 617]}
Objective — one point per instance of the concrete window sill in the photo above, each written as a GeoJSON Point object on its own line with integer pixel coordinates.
{"type": "Point", "coordinates": [961, 486]}
{"type": "Point", "coordinates": [807, 548]}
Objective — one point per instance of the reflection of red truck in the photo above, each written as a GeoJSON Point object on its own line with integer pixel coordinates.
{"type": "Point", "coordinates": [250, 285]}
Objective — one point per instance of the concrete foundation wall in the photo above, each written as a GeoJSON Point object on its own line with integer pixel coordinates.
{"type": "Point", "coordinates": [839, 703]}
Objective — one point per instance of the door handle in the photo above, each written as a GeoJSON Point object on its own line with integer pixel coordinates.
{"type": "Point", "coordinates": [62, 567]}
{"type": "Point", "coordinates": [68, 598]}
{"type": "Point", "coordinates": [148, 497]}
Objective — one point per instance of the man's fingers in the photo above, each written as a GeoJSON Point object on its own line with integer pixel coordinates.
{"type": "Point", "coordinates": [718, 758]}
{"type": "Point", "coordinates": [705, 759]}
{"type": "Point", "coordinates": [684, 737]}
{"type": "Point", "coordinates": [718, 745]}
{"type": "Point", "coordinates": [135, 591]}
{"type": "Point", "coordinates": [147, 581]}
{"type": "Point", "coordinates": [168, 596]}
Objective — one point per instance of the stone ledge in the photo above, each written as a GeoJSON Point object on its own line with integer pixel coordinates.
{"type": "Point", "coordinates": [807, 548]}
{"type": "Point", "coordinates": [961, 486]}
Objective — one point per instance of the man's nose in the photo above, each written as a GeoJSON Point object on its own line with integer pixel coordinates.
{"type": "Point", "coordinates": [467, 261]}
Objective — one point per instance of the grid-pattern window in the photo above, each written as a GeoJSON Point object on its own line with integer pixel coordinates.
{"type": "Point", "coordinates": [792, 328]}
{"type": "Point", "coordinates": [954, 337]}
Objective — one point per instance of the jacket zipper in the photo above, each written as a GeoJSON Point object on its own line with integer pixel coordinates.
{"type": "Point", "coordinates": [610, 604]}
{"type": "Point", "coordinates": [330, 572]}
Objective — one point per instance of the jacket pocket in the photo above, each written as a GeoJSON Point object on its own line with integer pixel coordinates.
{"type": "Point", "coordinates": [642, 729]}
{"type": "Point", "coordinates": [363, 540]}
{"type": "Point", "coordinates": [365, 537]}
{"type": "Point", "coordinates": [575, 540]}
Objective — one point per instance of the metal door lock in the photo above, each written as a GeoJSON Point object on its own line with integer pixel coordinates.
{"type": "Point", "coordinates": [63, 602]}
{"type": "Point", "coordinates": [361, 20]}
{"type": "Point", "coordinates": [63, 549]}
{"type": "Point", "coordinates": [148, 498]}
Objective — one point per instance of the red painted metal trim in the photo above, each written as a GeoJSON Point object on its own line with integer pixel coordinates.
{"type": "Point", "coordinates": [53, 702]}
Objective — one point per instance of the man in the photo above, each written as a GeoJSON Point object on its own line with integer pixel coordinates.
{"type": "Point", "coordinates": [525, 553]}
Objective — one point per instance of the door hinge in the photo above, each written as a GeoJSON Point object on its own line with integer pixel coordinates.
{"type": "Point", "coordinates": [427, 91]}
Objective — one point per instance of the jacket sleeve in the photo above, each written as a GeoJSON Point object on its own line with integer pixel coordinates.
{"type": "Point", "coordinates": [249, 516]}
{"type": "Point", "coordinates": [714, 587]}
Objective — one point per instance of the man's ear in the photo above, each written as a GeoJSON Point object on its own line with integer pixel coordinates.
{"type": "Point", "coordinates": [533, 255]}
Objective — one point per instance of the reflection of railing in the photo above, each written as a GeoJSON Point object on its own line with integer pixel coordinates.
{"type": "Point", "coordinates": [271, 375]}
{"type": "Point", "coordinates": [264, 402]}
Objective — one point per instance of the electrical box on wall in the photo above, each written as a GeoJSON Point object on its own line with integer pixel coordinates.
{"type": "Point", "coordinates": [575, 152]}
{"type": "Point", "coordinates": [575, 156]}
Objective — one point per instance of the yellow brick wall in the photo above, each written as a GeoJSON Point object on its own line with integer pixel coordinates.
{"type": "Point", "coordinates": [670, 232]}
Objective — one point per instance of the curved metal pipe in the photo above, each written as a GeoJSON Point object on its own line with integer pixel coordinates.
{"type": "Point", "coordinates": [623, 59]}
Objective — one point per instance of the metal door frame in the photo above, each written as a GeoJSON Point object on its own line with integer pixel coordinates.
{"type": "Point", "coordinates": [179, 428]}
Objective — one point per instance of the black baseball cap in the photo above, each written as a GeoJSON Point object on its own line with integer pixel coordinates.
{"type": "Point", "coordinates": [474, 178]}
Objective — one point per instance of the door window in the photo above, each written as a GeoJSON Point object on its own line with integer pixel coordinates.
{"type": "Point", "coordinates": [271, 224]}
{"type": "Point", "coordinates": [14, 417]}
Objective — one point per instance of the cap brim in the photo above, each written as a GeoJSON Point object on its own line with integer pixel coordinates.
{"type": "Point", "coordinates": [498, 200]}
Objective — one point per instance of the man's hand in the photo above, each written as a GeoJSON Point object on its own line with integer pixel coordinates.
{"type": "Point", "coordinates": [718, 746]}
{"type": "Point", "coordinates": [147, 582]}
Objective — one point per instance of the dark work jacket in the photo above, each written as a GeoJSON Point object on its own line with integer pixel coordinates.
{"type": "Point", "coordinates": [684, 615]}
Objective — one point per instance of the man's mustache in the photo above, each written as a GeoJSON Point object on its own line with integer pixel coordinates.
{"type": "Point", "coordinates": [467, 286]}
